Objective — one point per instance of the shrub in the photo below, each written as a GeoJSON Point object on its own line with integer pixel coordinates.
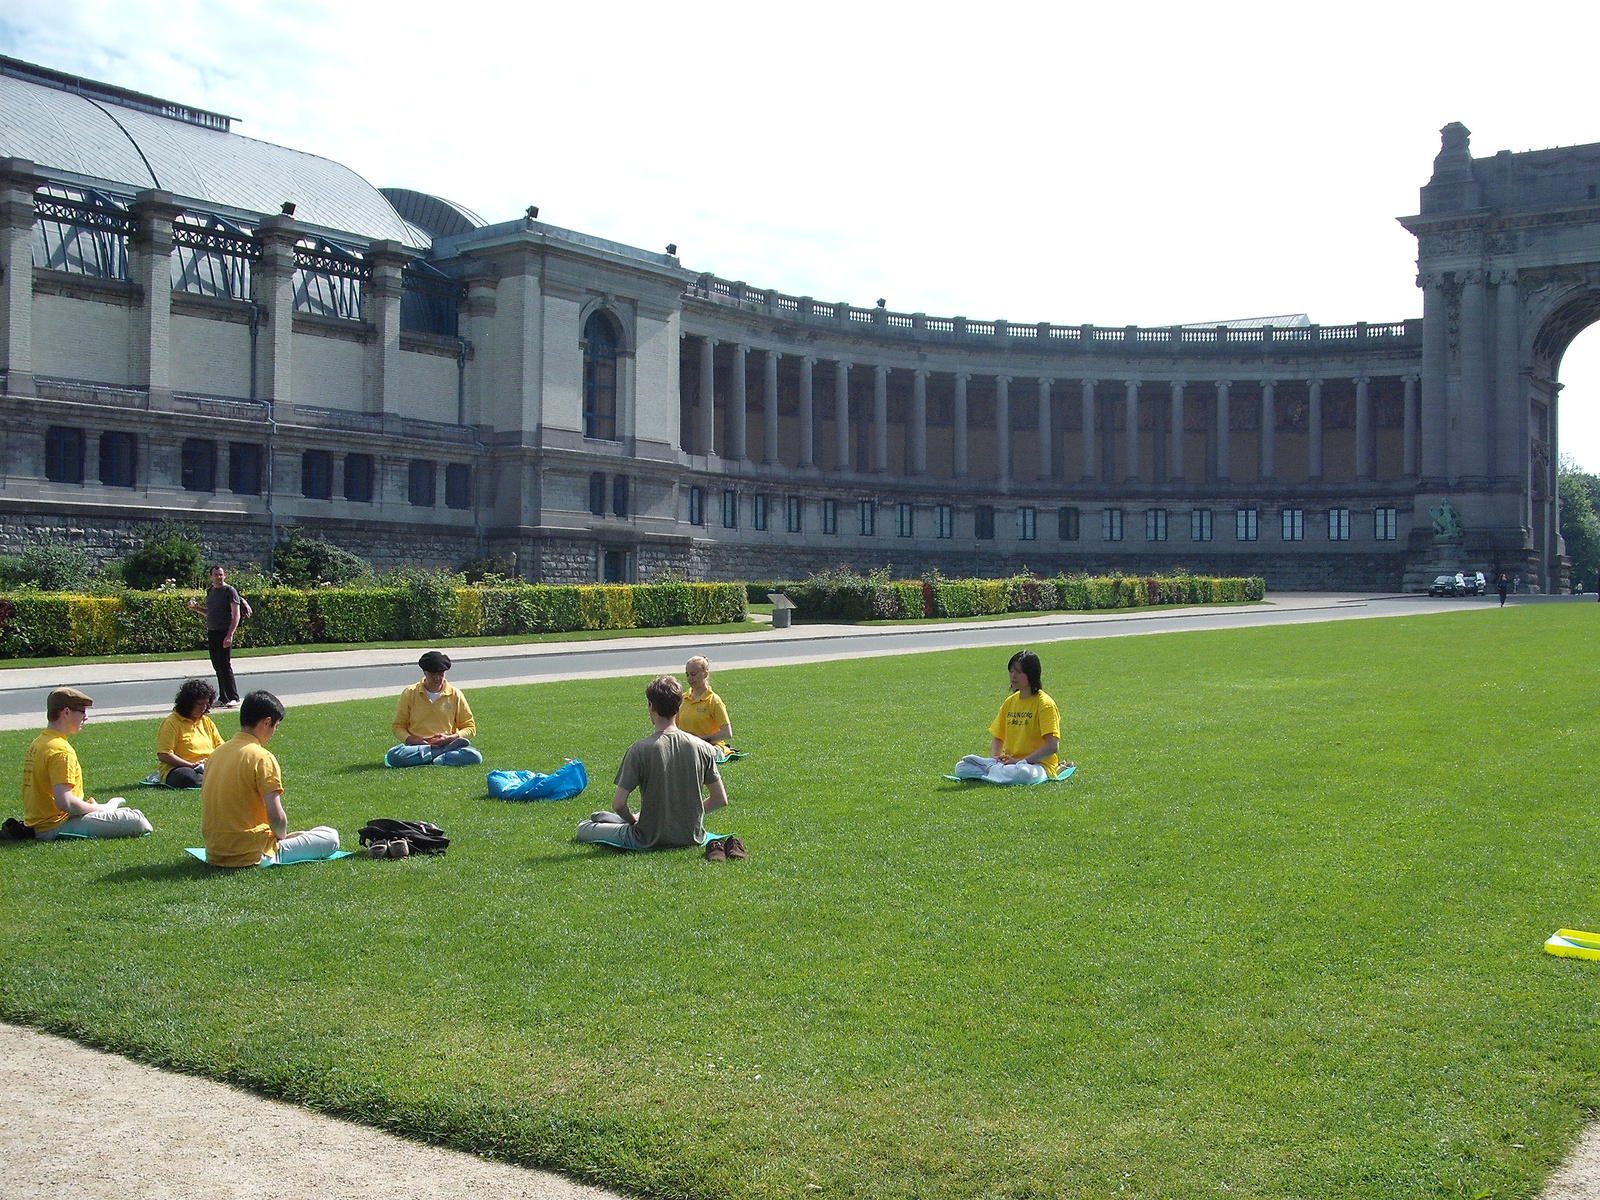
{"type": "Point", "coordinates": [361, 614]}
{"type": "Point", "coordinates": [469, 612]}
{"type": "Point", "coordinates": [302, 561]}
{"type": "Point", "coordinates": [53, 565]}
{"type": "Point", "coordinates": [490, 568]}
{"type": "Point", "coordinates": [279, 617]}
{"type": "Point", "coordinates": [170, 551]}
{"type": "Point", "coordinates": [159, 622]}
{"type": "Point", "coordinates": [430, 603]}
{"type": "Point", "coordinates": [659, 605]}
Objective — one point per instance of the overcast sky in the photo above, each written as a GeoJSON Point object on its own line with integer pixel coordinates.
{"type": "Point", "coordinates": [1117, 164]}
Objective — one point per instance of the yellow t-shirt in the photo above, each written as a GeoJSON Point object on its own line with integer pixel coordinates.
{"type": "Point", "coordinates": [233, 806]}
{"type": "Point", "coordinates": [702, 715]}
{"type": "Point", "coordinates": [192, 741]}
{"type": "Point", "coordinates": [1023, 725]}
{"type": "Point", "coordinates": [50, 760]}
{"type": "Point", "coordinates": [417, 716]}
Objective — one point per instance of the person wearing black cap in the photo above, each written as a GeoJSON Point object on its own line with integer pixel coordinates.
{"type": "Point", "coordinates": [433, 721]}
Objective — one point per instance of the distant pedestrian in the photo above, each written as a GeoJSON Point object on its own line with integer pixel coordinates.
{"type": "Point", "coordinates": [1502, 585]}
{"type": "Point", "coordinates": [1516, 583]}
{"type": "Point", "coordinates": [224, 609]}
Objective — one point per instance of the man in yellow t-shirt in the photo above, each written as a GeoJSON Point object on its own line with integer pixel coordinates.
{"type": "Point", "coordinates": [188, 735]}
{"type": "Point", "coordinates": [703, 713]}
{"type": "Point", "coordinates": [241, 800]}
{"type": "Point", "coordinates": [1026, 736]}
{"type": "Point", "coordinates": [53, 802]}
{"type": "Point", "coordinates": [433, 721]}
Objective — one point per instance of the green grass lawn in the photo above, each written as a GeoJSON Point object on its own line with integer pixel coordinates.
{"type": "Point", "coordinates": [1280, 937]}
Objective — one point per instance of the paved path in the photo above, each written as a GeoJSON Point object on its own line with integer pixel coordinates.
{"type": "Point", "coordinates": [129, 691]}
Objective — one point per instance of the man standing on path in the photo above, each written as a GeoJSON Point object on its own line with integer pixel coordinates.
{"type": "Point", "coordinates": [670, 768]}
{"type": "Point", "coordinates": [224, 607]}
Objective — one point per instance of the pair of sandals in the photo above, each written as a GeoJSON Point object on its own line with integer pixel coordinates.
{"type": "Point", "coordinates": [398, 848]}
{"type": "Point", "coordinates": [724, 848]}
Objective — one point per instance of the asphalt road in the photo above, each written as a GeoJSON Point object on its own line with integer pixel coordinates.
{"type": "Point", "coordinates": [126, 691]}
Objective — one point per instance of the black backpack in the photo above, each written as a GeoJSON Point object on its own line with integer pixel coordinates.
{"type": "Point", "coordinates": [424, 837]}
{"type": "Point", "coordinates": [15, 831]}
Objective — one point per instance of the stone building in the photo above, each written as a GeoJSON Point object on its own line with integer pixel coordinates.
{"type": "Point", "coordinates": [197, 325]}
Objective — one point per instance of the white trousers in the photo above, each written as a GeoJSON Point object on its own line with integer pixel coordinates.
{"type": "Point", "coordinates": [312, 844]}
{"type": "Point", "coordinates": [974, 766]}
{"type": "Point", "coordinates": [111, 820]}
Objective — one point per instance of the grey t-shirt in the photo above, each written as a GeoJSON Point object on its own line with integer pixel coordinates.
{"type": "Point", "coordinates": [219, 606]}
{"type": "Point", "coordinates": [669, 769]}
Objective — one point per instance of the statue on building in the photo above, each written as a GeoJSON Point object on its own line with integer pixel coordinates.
{"type": "Point", "coordinates": [1446, 525]}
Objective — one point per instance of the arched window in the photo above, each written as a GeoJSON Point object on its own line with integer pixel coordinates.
{"type": "Point", "coordinates": [600, 378]}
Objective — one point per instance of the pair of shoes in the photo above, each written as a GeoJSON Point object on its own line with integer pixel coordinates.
{"type": "Point", "coordinates": [725, 848]}
{"type": "Point", "coordinates": [399, 848]}
{"type": "Point", "coordinates": [227, 704]}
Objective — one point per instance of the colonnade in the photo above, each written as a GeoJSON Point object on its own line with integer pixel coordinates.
{"type": "Point", "coordinates": [1093, 422]}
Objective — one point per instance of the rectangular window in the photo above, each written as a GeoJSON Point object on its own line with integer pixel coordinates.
{"type": "Point", "coordinates": [983, 522]}
{"type": "Point", "coordinates": [1111, 524]}
{"type": "Point", "coordinates": [1155, 524]}
{"type": "Point", "coordinates": [1383, 524]}
{"type": "Point", "coordinates": [794, 514]}
{"type": "Point", "coordinates": [358, 478]}
{"type": "Point", "coordinates": [63, 455]}
{"type": "Point", "coordinates": [423, 485]}
{"type": "Point", "coordinates": [867, 517]}
{"type": "Point", "coordinates": [697, 506]}
{"type": "Point", "coordinates": [830, 516]}
{"type": "Point", "coordinates": [758, 512]}
{"type": "Point", "coordinates": [1200, 525]}
{"type": "Point", "coordinates": [244, 468]}
{"type": "Point", "coordinates": [1068, 525]}
{"type": "Point", "coordinates": [458, 485]}
{"type": "Point", "coordinates": [905, 520]}
{"type": "Point", "coordinates": [316, 475]}
{"type": "Point", "coordinates": [1294, 524]}
{"type": "Point", "coordinates": [119, 459]}
{"type": "Point", "coordinates": [597, 495]}
{"type": "Point", "coordinates": [619, 496]}
{"type": "Point", "coordinates": [1338, 524]}
{"type": "Point", "coordinates": [945, 520]}
{"type": "Point", "coordinates": [1027, 524]}
{"type": "Point", "coordinates": [1245, 525]}
{"type": "Point", "coordinates": [199, 465]}
{"type": "Point", "coordinates": [730, 510]}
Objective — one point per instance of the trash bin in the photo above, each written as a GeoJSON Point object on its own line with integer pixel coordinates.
{"type": "Point", "coordinates": [782, 606]}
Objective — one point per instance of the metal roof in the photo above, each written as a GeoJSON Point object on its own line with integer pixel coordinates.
{"type": "Point", "coordinates": [97, 139]}
{"type": "Point", "coordinates": [1283, 321]}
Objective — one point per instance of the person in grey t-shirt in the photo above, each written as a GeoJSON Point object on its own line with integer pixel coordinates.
{"type": "Point", "coordinates": [676, 777]}
{"type": "Point", "coordinates": [224, 608]}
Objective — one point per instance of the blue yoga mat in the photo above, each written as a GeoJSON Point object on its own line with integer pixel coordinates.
{"type": "Point", "coordinates": [1061, 778]}
{"type": "Point", "coordinates": [200, 853]}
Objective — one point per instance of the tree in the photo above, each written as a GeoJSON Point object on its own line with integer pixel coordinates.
{"type": "Point", "coordinates": [170, 551]}
{"type": "Point", "coordinates": [1580, 524]}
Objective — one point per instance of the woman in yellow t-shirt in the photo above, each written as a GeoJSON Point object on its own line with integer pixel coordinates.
{"type": "Point", "coordinates": [703, 713]}
{"type": "Point", "coordinates": [1026, 736]}
{"type": "Point", "coordinates": [188, 736]}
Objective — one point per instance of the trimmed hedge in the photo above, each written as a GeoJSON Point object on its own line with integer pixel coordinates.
{"type": "Point", "coordinates": [857, 599]}
{"type": "Point", "coordinates": [50, 625]}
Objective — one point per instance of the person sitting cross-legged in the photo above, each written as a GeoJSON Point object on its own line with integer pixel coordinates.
{"type": "Point", "coordinates": [703, 713]}
{"type": "Point", "coordinates": [1026, 736]}
{"type": "Point", "coordinates": [676, 776]}
{"type": "Point", "coordinates": [433, 721]}
{"type": "Point", "coordinates": [53, 803]}
{"type": "Point", "coordinates": [188, 735]}
{"type": "Point", "coordinates": [241, 798]}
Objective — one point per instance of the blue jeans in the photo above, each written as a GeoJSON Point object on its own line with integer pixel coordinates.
{"type": "Point", "coordinates": [458, 753]}
{"type": "Point", "coordinates": [609, 829]}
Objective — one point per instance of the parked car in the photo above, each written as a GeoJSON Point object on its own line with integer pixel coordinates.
{"type": "Point", "coordinates": [1477, 585]}
{"type": "Point", "coordinates": [1448, 585]}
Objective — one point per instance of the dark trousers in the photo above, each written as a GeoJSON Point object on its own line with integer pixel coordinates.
{"type": "Point", "coordinates": [184, 777]}
{"type": "Point", "coordinates": [222, 664]}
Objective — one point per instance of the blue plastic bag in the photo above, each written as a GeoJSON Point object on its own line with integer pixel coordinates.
{"type": "Point", "coordinates": [561, 784]}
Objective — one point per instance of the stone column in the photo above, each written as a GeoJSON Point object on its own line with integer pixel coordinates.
{"type": "Point", "coordinates": [770, 410]}
{"type": "Point", "coordinates": [380, 305]}
{"type": "Point", "coordinates": [476, 311]}
{"type": "Point", "coordinates": [708, 397]}
{"type": "Point", "coordinates": [919, 422]}
{"type": "Point", "coordinates": [1435, 349]}
{"type": "Point", "coordinates": [1475, 420]}
{"type": "Point", "coordinates": [1130, 389]}
{"type": "Point", "coordinates": [1364, 444]}
{"type": "Point", "coordinates": [1224, 438]}
{"type": "Point", "coordinates": [1510, 403]}
{"type": "Point", "coordinates": [1410, 449]}
{"type": "Point", "coordinates": [808, 435]}
{"type": "Point", "coordinates": [1002, 427]}
{"type": "Point", "coordinates": [1091, 461]}
{"type": "Point", "coordinates": [1269, 430]}
{"type": "Point", "coordinates": [880, 420]}
{"type": "Point", "coordinates": [1047, 434]}
{"type": "Point", "coordinates": [958, 450]}
{"type": "Point", "coordinates": [1175, 454]}
{"type": "Point", "coordinates": [150, 270]}
{"type": "Point", "coordinates": [1314, 431]}
{"type": "Point", "coordinates": [272, 290]}
{"type": "Point", "coordinates": [841, 416]}
{"type": "Point", "coordinates": [738, 398]}
{"type": "Point", "coordinates": [17, 185]}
